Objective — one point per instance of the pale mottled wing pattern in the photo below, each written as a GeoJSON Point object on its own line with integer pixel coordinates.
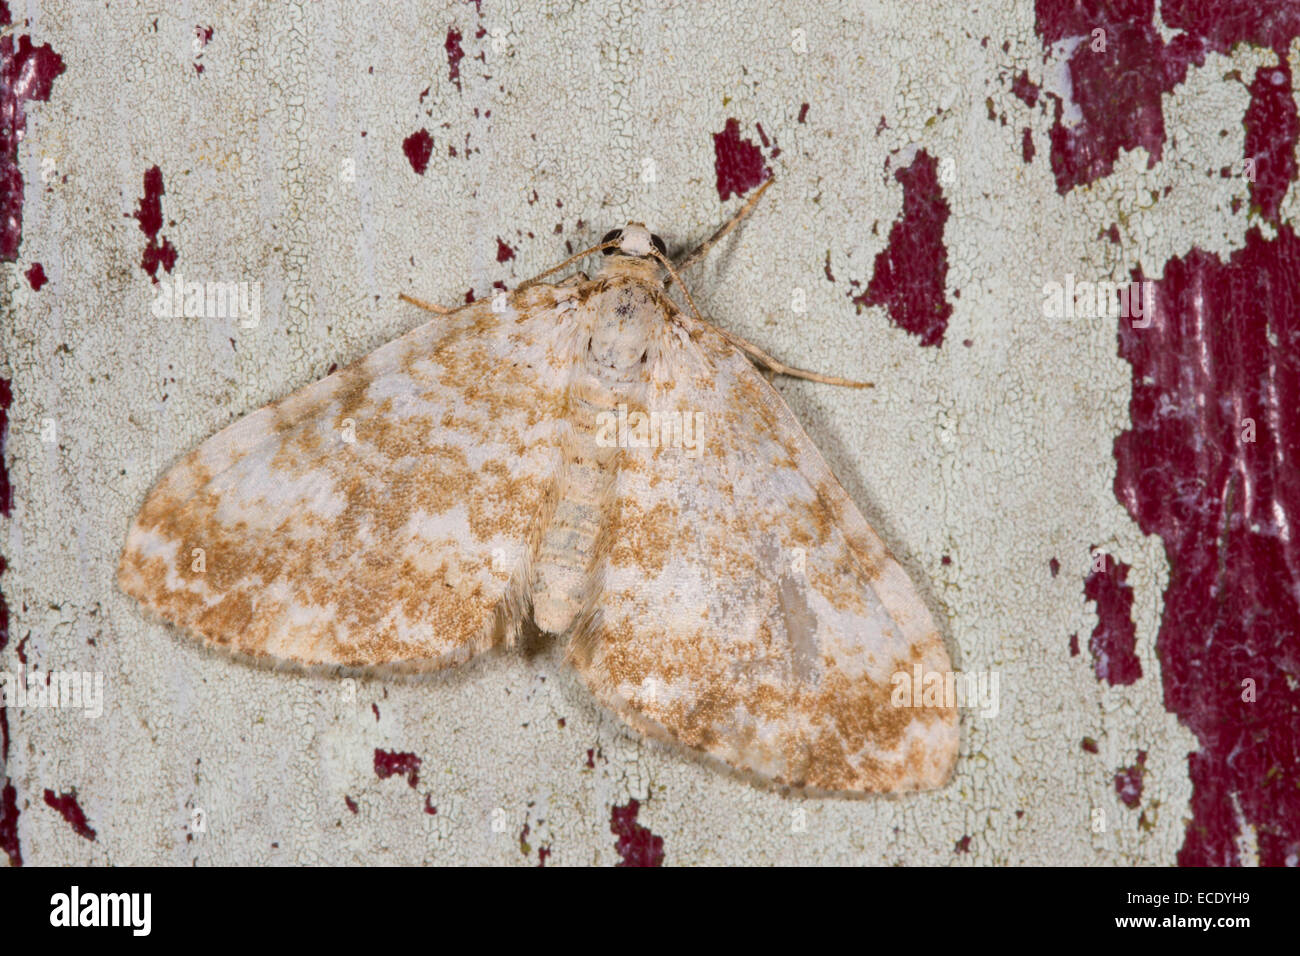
{"type": "Point", "coordinates": [747, 609]}
{"type": "Point", "coordinates": [379, 516]}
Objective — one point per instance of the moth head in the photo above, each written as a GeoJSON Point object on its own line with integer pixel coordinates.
{"type": "Point", "coordinates": [634, 239]}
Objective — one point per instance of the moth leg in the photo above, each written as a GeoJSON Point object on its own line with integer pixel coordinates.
{"type": "Point", "coordinates": [702, 249]}
{"type": "Point", "coordinates": [439, 309]}
{"type": "Point", "coordinates": [777, 367]}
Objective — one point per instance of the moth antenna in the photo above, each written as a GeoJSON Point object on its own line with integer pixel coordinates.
{"type": "Point", "coordinates": [769, 362]}
{"type": "Point", "coordinates": [443, 310]}
{"type": "Point", "coordinates": [673, 273]}
{"type": "Point", "coordinates": [439, 309]}
{"type": "Point", "coordinates": [700, 251]}
{"type": "Point", "coordinates": [780, 368]}
{"type": "Point", "coordinates": [573, 258]}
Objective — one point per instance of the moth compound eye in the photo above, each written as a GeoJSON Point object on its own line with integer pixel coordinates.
{"type": "Point", "coordinates": [610, 237]}
{"type": "Point", "coordinates": [659, 244]}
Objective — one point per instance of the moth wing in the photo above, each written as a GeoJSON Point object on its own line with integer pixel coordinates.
{"type": "Point", "coordinates": [747, 610]}
{"type": "Point", "coordinates": [379, 516]}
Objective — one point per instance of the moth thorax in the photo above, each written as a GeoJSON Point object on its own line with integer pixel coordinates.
{"type": "Point", "coordinates": [628, 320]}
{"type": "Point", "coordinates": [631, 267]}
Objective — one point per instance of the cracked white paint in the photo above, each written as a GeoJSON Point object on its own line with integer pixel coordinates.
{"type": "Point", "coordinates": [997, 455]}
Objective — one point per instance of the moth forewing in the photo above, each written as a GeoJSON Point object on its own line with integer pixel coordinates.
{"type": "Point", "coordinates": [393, 547]}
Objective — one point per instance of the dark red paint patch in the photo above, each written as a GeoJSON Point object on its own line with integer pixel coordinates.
{"type": "Point", "coordinates": [352, 804]}
{"type": "Point", "coordinates": [636, 844]}
{"type": "Point", "coordinates": [149, 216]}
{"type": "Point", "coordinates": [389, 763]}
{"type": "Point", "coordinates": [1271, 132]}
{"type": "Point", "coordinates": [8, 795]}
{"type": "Point", "coordinates": [1270, 23]}
{"type": "Point", "coordinates": [1074, 645]}
{"type": "Point", "coordinates": [1114, 639]}
{"type": "Point", "coordinates": [1117, 80]}
{"type": "Point", "coordinates": [1027, 145]}
{"type": "Point", "coordinates": [1054, 566]}
{"type": "Point", "coordinates": [1224, 346]}
{"type": "Point", "coordinates": [504, 252]}
{"type": "Point", "coordinates": [1025, 89]}
{"type": "Point", "coordinates": [36, 276]}
{"type": "Point", "coordinates": [454, 55]}
{"type": "Point", "coordinates": [70, 810]}
{"type": "Point", "coordinates": [6, 491]}
{"type": "Point", "coordinates": [737, 162]}
{"type": "Point", "coordinates": [910, 272]}
{"type": "Point", "coordinates": [803, 112]}
{"type": "Point", "coordinates": [418, 147]}
{"type": "Point", "coordinates": [429, 808]}
{"type": "Point", "coordinates": [962, 845]}
{"type": "Point", "coordinates": [1089, 745]}
{"type": "Point", "coordinates": [9, 824]}
{"type": "Point", "coordinates": [1128, 782]}
{"type": "Point", "coordinates": [27, 73]}
{"type": "Point", "coordinates": [1118, 89]}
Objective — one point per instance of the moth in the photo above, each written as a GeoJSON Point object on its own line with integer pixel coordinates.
{"type": "Point", "coordinates": [594, 458]}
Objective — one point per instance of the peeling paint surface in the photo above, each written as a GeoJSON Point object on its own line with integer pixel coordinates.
{"type": "Point", "coordinates": [158, 251]}
{"type": "Point", "coordinates": [27, 74]}
{"type": "Point", "coordinates": [418, 147]}
{"type": "Point", "coordinates": [67, 806]}
{"type": "Point", "coordinates": [1115, 636]}
{"type": "Point", "coordinates": [923, 197]}
{"type": "Point", "coordinates": [1210, 466]}
{"type": "Point", "coordinates": [637, 846]}
{"type": "Point", "coordinates": [1271, 131]}
{"type": "Point", "coordinates": [909, 274]}
{"type": "Point", "coordinates": [738, 162]}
